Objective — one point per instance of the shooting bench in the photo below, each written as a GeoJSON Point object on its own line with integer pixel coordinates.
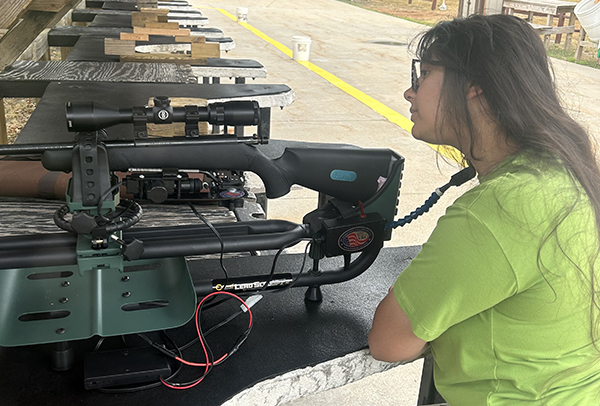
{"type": "Point", "coordinates": [190, 17]}
{"type": "Point", "coordinates": [67, 36]}
{"type": "Point", "coordinates": [47, 123]}
{"type": "Point", "coordinates": [290, 345]}
{"type": "Point", "coordinates": [549, 9]}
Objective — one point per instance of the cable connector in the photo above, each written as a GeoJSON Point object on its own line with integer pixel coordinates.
{"type": "Point", "coordinates": [251, 301]}
{"type": "Point", "coordinates": [459, 178]}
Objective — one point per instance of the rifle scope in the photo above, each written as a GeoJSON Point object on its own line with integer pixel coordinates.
{"type": "Point", "coordinates": [89, 116]}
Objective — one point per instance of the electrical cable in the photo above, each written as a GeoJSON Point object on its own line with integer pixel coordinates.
{"type": "Point", "coordinates": [210, 361]}
{"type": "Point", "coordinates": [217, 234]}
{"type": "Point", "coordinates": [272, 273]}
{"type": "Point", "coordinates": [457, 179]}
{"type": "Point", "coordinates": [140, 388]}
{"type": "Point", "coordinates": [103, 197]}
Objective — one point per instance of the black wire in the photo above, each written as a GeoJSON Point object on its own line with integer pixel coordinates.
{"type": "Point", "coordinates": [217, 234]}
{"type": "Point", "coordinates": [122, 210]}
{"type": "Point", "coordinates": [98, 344]}
{"type": "Point", "coordinates": [103, 197]}
{"type": "Point", "coordinates": [212, 329]}
{"type": "Point", "coordinates": [272, 273]}
{"type": "Point", "coordinates": [211, 358]}
{"type": "Point", "coordinates": [291, 285]}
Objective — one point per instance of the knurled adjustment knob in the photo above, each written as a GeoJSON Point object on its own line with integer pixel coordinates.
{"type": "Point", "coordinates": [162, 101]}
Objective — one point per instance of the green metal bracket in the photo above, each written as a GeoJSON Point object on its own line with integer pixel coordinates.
{"type": "Point", "coordinates": [53, 304]}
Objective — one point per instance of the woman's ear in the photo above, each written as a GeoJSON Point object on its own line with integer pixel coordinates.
{"type": "Point", "coordinates": [474, 91]}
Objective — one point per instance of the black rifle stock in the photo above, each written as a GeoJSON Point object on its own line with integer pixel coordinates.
{"type": "Point", "coordinates": [351, 175]}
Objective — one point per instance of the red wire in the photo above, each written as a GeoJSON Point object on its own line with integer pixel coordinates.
{"type": "Point", "coordinates": [362, 210]}
{"type": "Point", "coordinates": [195, 364]}
{"type": "Point", "coordinates": [207, 364]}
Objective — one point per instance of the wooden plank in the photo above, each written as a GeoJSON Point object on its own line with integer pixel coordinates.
{"type": "Point", "coordinates": [158, 31]}
{"type": "Point", "coordinates": [155, 10]}
{"type": "Point", "coordinates": [165, 26]}
{"type": "Point", "coordinates": [129, 36]}
{"type": "Point", "coordinates": [114, 46]}
{"type": "Point", "coordinates": [3, 132]}
{"type": "Point", "coordinates": [15, 41]}
{"type": "Point", "coordinates": [51, 6]}
{"type": "Point", "coordinates": [163, 58]}
{"type": "Point", "coordinates": [10, 10]}
{"type": "Point", "coordinates": [140, 19]}
{"type": "Point", "coordinates": [192, 39]}
{"type": "Point", "coordinates": [206, 50]}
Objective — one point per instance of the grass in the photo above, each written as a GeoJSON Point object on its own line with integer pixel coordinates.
{"type": "Point", "coordinates": [419, 11]}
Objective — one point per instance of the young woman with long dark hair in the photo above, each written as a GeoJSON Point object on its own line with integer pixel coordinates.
{"type": "Point", "coordinates": [506, 289]}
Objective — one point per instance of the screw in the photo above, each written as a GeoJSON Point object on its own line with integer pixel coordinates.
{"type": "Point", "coordinates": [126, 294]}
{"type": "Point", "coordinates": [61, 331]}
{"type": "Point", "coordinates": [64, 299]}
{"type": "Point", "coordinates": [125, 278]}
{"type": "Point", "coordinates": [65, 283]}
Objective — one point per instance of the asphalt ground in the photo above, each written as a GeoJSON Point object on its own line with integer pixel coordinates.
{"type": "Point", "coordinates": [350, 91]}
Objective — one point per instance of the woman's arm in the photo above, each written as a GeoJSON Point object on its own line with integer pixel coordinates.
{"type": "Point", "coordinates": [391, 338]}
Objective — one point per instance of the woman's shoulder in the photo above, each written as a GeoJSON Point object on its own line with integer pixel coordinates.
{"type": "Point", "coordinates": [521, 180]}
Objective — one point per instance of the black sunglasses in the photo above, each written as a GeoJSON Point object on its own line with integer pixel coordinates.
{"type": "Point", "coordinates": [415, 73]}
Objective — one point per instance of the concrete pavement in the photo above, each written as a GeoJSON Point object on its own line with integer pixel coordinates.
{"type": "Point", "coordinates": [355, 50]}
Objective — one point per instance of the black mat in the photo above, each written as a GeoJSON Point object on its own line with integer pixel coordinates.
{"type": "Point", "coordinates": [288, 334]}
{"type": "Point", "coordinates": [48, 122]}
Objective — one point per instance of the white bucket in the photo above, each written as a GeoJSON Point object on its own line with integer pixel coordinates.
{"type": "Point", "coordinates": [588, 14]}
{"type": "Point", "coordinates": [241, 14]}
{"type": "Point", "coordinates": [301, 47]}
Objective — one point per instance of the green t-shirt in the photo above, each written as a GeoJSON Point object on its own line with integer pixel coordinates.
{"type": "Point", "coordinates": [509, 323]}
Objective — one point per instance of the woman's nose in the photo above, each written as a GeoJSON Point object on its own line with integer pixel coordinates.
{"type": "Point", "coordinates": [409, 94]}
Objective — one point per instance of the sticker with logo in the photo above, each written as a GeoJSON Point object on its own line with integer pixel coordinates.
{"type": "Point", "coordinates": [342, 175]}
{"type": "Point", "coordinates": [355, 239]}
{"type": "Point", "coordinates": [232, 193]}
{"type": "Point", "coordinates": [163, 115]}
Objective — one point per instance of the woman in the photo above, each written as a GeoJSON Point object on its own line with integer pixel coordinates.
{"type": "Point", "coordinates": [505, 289]}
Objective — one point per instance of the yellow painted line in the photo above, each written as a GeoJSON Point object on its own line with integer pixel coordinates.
{"type": "Point", "coordinates": [375, 105]}
{"type": "Point", "coordinates": [380, 108]}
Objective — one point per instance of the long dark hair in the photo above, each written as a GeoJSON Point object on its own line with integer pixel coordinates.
{"type": "Point", "coordinates": [505, 58]}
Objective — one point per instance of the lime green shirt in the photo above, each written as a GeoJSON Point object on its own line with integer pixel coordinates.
{"type": "Point", "coordinates": [505, 303]}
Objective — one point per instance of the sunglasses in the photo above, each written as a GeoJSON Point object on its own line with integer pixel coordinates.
{"type": "Point", "coordinates": [415, 74]}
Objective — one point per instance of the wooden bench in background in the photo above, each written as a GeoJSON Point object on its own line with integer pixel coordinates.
{"type": "Point", "coordinates": [583, 43]}
{"type": "Point", "coordinates": [547, 30]}
{"type": "Point", "coordinates": [550, 9]}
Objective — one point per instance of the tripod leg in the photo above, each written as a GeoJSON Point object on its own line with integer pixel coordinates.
{"type": "Point", "coordinates": [63, 356]}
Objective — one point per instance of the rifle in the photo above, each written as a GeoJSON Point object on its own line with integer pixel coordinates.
{"type": "Point", "coordinates": [69, 285]}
